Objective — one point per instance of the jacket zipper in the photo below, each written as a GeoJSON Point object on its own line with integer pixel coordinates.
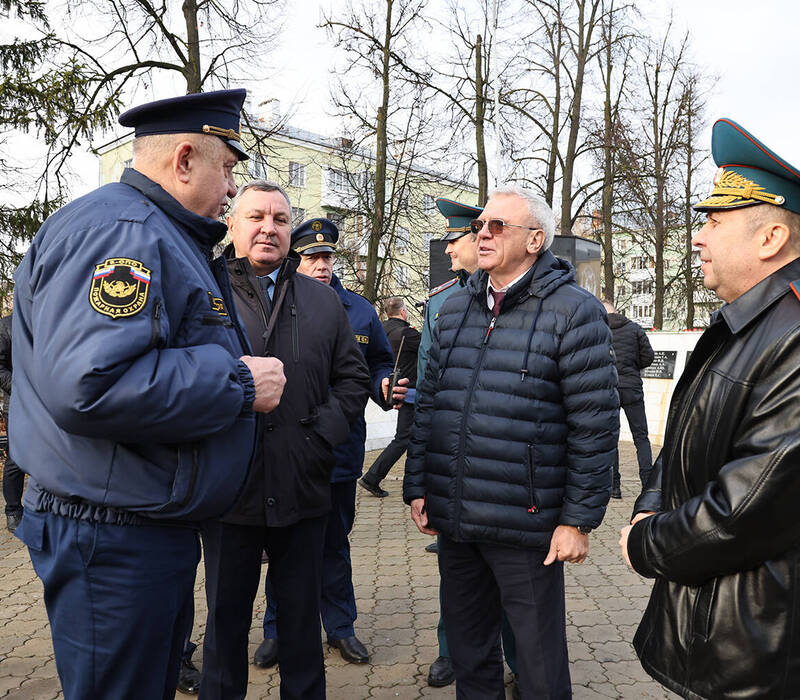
{"type": "Point", "coordinates": [534, 507]}
{"type": "Point", "coordinates": [295, 335]}
{"type": "Point", "coordinates": [462, 438]}
{"type": "Point", "coordinates": [686, 405]}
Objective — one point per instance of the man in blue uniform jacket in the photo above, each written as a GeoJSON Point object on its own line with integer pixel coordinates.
{"type": "Point", "coordinates": [133, 398]}
{"type": "Point", "coordinates": [315, 241]}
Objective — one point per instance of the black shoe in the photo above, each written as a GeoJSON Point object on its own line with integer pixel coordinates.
{"type": "Point", "coordinates": [433, 548]}
{"type": "Point", "coordinates": [267, 654]}
{"type": "Point", "coordinates": [352, 650]}
{"type": "Point", "coordinates": [188, 678]}
{"type": "Point", "coordinates": [13, 520]}
{"type": "Point", "coordinates": [375, 490]}
{"type": "Point", "coordinates": [441, 673]}
{"type": "Point", "coordinates": [616, 492]}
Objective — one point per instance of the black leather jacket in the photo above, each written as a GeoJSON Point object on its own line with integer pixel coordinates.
{"type": "Point", "coordinates": [722, 620]}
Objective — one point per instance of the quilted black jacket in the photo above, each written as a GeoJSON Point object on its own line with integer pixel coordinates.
{"type": "Point", "coordinates": [516, 423]}
{"type": "Point", "coordinates": [632, 350]}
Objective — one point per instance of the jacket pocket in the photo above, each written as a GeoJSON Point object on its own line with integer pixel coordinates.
{"type": "Point", "coordinates": [703, 605]}
{"type": "Point", "coordinates": [533, 503]}
{"type": "Point", "coordinates": [186, 475]}
{"type": "Point", "coordinates": [155, 325]}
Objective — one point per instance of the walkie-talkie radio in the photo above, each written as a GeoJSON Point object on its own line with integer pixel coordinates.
{"type": "Point", "coordinates": [395, 375]}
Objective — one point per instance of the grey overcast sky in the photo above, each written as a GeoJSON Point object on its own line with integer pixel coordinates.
{"type": "Point", "coordinates": [751, 47]}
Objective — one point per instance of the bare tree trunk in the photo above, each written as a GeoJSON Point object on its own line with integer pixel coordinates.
{"type": "Point", "coordinates": [688, 269]}
{"type": "Point", "coordinates": [552, 160]}
{"type": "Point", "coordinates": [585, 29]}
{"type": "Point", "coordinates": [192, 68]}
{"type": "Point", "coordinates": [608, 182]}
{"type": "Point", "coordinates": [381, 146]}
{"type": "Point", "coordinates": [480, 117]}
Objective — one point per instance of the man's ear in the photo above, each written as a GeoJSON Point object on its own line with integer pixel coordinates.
{"type": "Point", "coordinates": [535, 241]}
{"type": "Point", "coordinates": [182, 160]}
{"type": "Point", "coordinates": [772, 239]}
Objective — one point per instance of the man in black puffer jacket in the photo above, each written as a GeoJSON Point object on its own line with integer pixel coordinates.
{"type": "Point", "coordinates": [633, 352]}
{"type": "Point", "coordinates": [510, 457]}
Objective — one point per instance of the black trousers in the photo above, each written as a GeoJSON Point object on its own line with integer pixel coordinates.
{"type": "Point", "coordinates": [233, 570]}
{"type": "Point", "coordinates": [632, 401]}
{"type": "Point", "coordinates": [338, 602]}
{"type": "Point", "coordinates": [479, 582]}
{"type": "Point", "coordinates": [13, 483]}
{"type": "Point", "coordinates": [395, 449]}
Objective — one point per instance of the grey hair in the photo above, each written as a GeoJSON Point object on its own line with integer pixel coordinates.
{"type": "Point", "coordinates": [154, 148]}
{"type": "Point", "coordinates": [260, 186]}
{"type": "Point", "coordinates": [538, 209]}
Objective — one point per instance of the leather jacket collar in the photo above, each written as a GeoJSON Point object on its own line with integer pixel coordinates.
{"type": "Point", "coordinates": [740, 312]}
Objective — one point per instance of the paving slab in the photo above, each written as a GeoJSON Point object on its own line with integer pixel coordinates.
{"type": "Point", "coordinates": [396, 585]}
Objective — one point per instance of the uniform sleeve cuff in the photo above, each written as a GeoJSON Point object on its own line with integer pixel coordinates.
{"type": "Point", "coordinates": [248, 387]}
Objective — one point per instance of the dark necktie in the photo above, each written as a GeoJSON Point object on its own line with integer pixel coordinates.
{"type": "Point", "coordinates": [266, 283]}
{"type": "Point", "coordinates": [498, 301]}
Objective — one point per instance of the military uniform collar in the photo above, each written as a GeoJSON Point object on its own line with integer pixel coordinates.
{"type": "Point", "coordinates": [208, 232]}
{"type": "Point", "coordinates": [740, 312]}
{"type": "Point", "coordinates": [338, 287]}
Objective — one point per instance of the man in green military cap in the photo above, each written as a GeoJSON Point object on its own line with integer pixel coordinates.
{"type": "Point", "coordinates": [718, 524]}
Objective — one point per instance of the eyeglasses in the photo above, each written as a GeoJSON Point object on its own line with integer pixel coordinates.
{"type": "Point", "coordinates": [496, 226]}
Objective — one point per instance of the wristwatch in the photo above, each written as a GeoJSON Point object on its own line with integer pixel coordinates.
{"type": "Point", "coordinates": [584, 529]}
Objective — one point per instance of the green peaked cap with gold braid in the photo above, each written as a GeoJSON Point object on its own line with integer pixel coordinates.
{"type": "Point", "coordinates": [749, 173]}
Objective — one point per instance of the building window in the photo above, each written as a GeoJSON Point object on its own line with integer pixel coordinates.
{"type": "Point", "coordinates": [402, 240]}
{"type": "Point", "coordinates": [297, 174]}
{"type": "Point", "coordinates": [257, 167]}
{"type": "Point", "coordinates": [642, 287]}
{"type": "Point", "coordinates": [401, 275]}
{"type": "Point", "coordinates": [638, 263]}
{"type": "Point", "coordinates": [339, 182]}
{"type": "Point", "coordinates": [298, 215]}
{"type": "Point", "coordinates": [428, 204]}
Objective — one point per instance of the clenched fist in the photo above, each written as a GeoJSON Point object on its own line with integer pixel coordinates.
{"type": "Point", "coordinates": [269, 380]}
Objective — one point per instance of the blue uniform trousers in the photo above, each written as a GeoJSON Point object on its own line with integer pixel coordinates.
{"type": "Point", "coordinates": [117, 598]}
{"type": "Point", "coordinates": [233, 570]}
{"type": "Point", "coordinates": [338, 601]}
{"type": "Point", "coordinates": [479, 582]}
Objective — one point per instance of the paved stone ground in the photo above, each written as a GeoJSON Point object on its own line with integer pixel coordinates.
{"type": "Point", "coordinates": [396, 586]}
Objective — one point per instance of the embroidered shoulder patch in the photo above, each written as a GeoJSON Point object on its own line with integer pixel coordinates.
{"type": "Point", "coordinates": [119, 287]}
{"type": "Point", "coordinates": [217, 304]}
{"type": "Point", "coordinates": [363, 339]}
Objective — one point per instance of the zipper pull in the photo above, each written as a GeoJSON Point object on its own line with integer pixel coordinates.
{"type": "Point", "coordinates": [489, 330]}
